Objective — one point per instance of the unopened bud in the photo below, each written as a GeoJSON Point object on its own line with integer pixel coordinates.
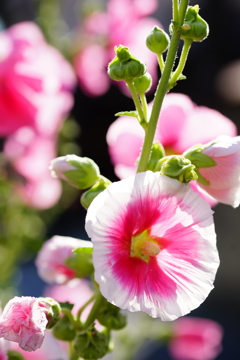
{"type": "Point", "coordinates": [80, 172]}
{"type": "Point", "coordinates": [64, 329]}
{"type": "Point", "coordinates": [88, 196]}
{"type": "Point", "coordinates": [178, 167]}
{"type": "Point", "coordinates": [125, 66]}
{"type": "Point", "coordinates": [158, 40]}
{"type": "Point", "coordinates": [14, 355]}
{"type": "Point", "coordinates": [143, 84]}
{"type": "Point", "coordinates": [91, 345]}
{"type": "Point", "coordinates": [110, 316]}
{"type": "Point", "coordinates": [52, 310]}
{"type": "Point", "coordinates": [194, 27]}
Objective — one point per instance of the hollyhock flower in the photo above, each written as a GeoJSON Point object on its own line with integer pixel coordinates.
{"type": "Point", "coordinates": [24, 321]}
{"type": "Point", "coordinates": [182, 124]}
{"type": "Point", "coordinates": [124, 22]}
{"type": "Point", "coordinates": [36, 81]}
{"type": "Point", "coordinates": [58, 349]}
{"type": "Point", "coordinates": [195, 339]}
{"type": "Point", "coordinates": [224, 177]}
{"type": "Point", "coordinates": [4, 347]}
{"type": "Point", "coordinates": [50, 261]}
{"type": "Point", "coordinates": [154, 245]}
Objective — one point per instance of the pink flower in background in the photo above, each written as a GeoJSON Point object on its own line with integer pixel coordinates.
{"type": "Point", "coordinates": [182, 124]}
{"type": "Point", "coordinates": [154, 245]}
{"type": "Point", "coordinates": [4, 347]}
{"type": "Point", "coordinates": [124, 22]}
{"type": "Point", "coordinates": [195, 339]}
{"type": "Point", "coordinates": [36, 81]}
{"type": "Point", "coordinates": [50, 261]}
{"type": "Point", "coordinates": [51, 349]}
{"type": "Point", "coordinates": [224, 177]}
{"type": "Point", "coordinates": [24, 321]}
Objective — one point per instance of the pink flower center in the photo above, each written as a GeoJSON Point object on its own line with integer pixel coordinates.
{"type": "Point", "coordinates": [143, 246]}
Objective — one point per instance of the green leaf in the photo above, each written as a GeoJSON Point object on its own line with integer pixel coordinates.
{"type": "Point", "coordinates": [127, 113]}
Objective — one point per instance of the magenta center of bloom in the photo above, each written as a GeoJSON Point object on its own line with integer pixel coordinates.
{"type": "Point", "coordinates": [144, 246]}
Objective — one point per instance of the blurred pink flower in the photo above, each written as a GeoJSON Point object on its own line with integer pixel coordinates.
{"type": "Point", "coordinates": [154, 245]}
{"type": "Point", "coordinates": [182, 124]}
{"type": "Point", "coordinates": [50, 261]}
{"type": "Point", "coordinates": [224, 177]}
{"type": "Point", "coordinates": [24, 321]}
{"type": "Point", "coordinates": [124, 22]}
{"type": "Point", "coordinates": [51, 349]}
{"type": "Point", "coordinates": [36, 81]}
{"type": "Point", "coordinates": [195, 339]}
{"type": "Point", "coordinates": [4, 347]}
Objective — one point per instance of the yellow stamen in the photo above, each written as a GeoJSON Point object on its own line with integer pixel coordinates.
{"type": "Point", "coordinates": [144, 246]}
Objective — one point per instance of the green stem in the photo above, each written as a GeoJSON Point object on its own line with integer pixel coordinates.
{"type": "Point", "coordinates": [94, 311]}
{"type": "Point", "coordinates": [136, 101]}
{"type": "Point", "coordinates": [182, 62]}
{"type": "Point", "coordinates": [175, 10]}
{"type": "Point", "coordinates": [69, 315]}
{"type": "Point", "coordinates": [161, 62]}
{"type": "Point", "coordinates": [84, 307]}
{"type": "Point", "coordinates": [144, 105]}
{"type": "Point", "coordinates": [162, 89]}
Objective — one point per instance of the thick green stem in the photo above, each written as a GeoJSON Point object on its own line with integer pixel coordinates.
{"type": "Point", "coordinates": [162, 89]}
{"type": "Point", "coordinates": [136, 101]}
{"type": "Point", "coordinates": [94, 311]}
{"type": "Point", "coordinates": [182, 62]}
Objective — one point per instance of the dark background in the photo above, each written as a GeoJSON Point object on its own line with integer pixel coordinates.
{"type": "Point", "coordinates": [203, 66]}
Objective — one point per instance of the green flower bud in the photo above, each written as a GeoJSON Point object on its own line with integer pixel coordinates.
{"type": "Point", "coordinates": [194, 27]}
{"type": "Point", "coordinates": [157, 153]}
{"type": "Point", "coordinates": [111, 317]}
{"type": "Point", "coordinates": [80, 172]}
{"type": "Point", "coordinates": [81, 262]}
{"type": "Point", "coordinates": [88, 196]}
{"type": "Point", "coordinates": [158, 40]}
{"type": "Point", "coordinates": [64, 329]}
{"type": "Point", "coordinates": [15, 355]}
{"type": "Point", "coordinates": [53, 310]}
{"type": "Point", "coordinates": [91, 345]}
{"type": "Point", "coordinates": [178, 167]}
{"type": "Point", "coordinates": [125, 66]}
{"type": "Point", "coordinates": [143, 84]}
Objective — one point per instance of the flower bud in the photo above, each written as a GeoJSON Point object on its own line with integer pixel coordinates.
{"type": "Point", "coordinates": [80, 172]}
{"type": "Point", "coordinates": [158, 40]}
{"type": "Point", "coordinates": [125, 66]}
{"type": "Point", "coordinates": [178, 167]}
{"type": "Point", "coordinates": [88, 196]}
{"type": "Point", "coordinates": [64, 330]}
{"type": "Point", "coordinates": [111, 317]}
{"type": "Point", "coordinates": [15, 355]}
{"type": "Point", "coordinates": [53, 310]}
{"type": "Point", "coordinates": [194, 27]}
{"type": "Point", "coordinates": [143, 84]}
{"type": "Point", "coordinates": [91, 345]}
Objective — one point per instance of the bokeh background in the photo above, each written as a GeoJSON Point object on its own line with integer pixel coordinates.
{"type": "Point", "coordinates": [213, 80]}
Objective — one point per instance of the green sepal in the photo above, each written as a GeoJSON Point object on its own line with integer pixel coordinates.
{"type": "Point", "coordinates": [125, 66]}
{"type": "Point", "coordinates": [194, 27]}
{"type": "Point", "coordinates": [66, 305]}
{"type": "Point", "coordinates": [91, 345]}
{"type": "Point", "coordinates": [89, 195]}
{"type": "Point", "coordinates": [198, 158]}
{"type": "Point", "coordinates": [157, 153]}
{"type": "Point", "coordinates": [53, 310]}
{"type": "Point", "coordinates": [201, 179]}
{"type": "Point", "coordinates": [15, 355]}
{"type": "Point", "coordinates": [127, 113]}
{"type": "Point", "coordinates": [81, 262]}
{"type": "Point", "coordinates": [64, 329]}
{"type": "Point", "coordinates": [110, 316]}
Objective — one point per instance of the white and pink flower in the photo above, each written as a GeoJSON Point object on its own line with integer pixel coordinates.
{"type": "Point", "coordinates": [154, 245]}
{"type": "Point", "coordinates": [195, 339]}
{"type": "Point", "coordinates": [224, 177]}
{"type": "Point", "coordinates": [50, 261]}
{"type": "Point", "coordinates": [24, 321]}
